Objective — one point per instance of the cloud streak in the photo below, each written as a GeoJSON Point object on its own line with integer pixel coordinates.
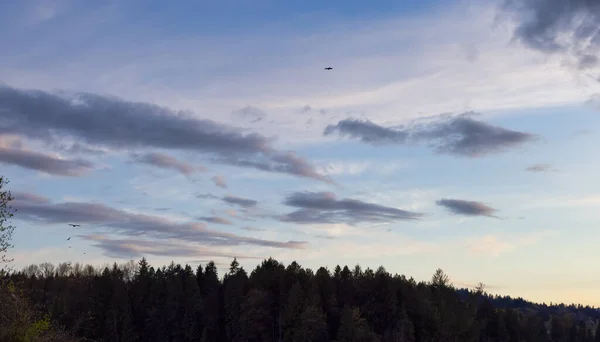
{"type": "Point", "coordinates": [215, 219]}
{"type": "Point", "coordinates": [468, 208]}
{"type": "Point", "coordinates": [137, 248]}
{"type": "Point", "coordinates": [131, 224]}
{"type": "Point", "coordinates": [165, 162]}
{"type": "Point", "coordinates": [118, 124]}
{"type": "Point", "coordinates": [45, 163]}
{"type": "Point", "coordinates": [242, 202]}
{"type": "Point", "coordinates": [539, 168]}
{"type": "Point", "coordinates": [324, 207]}
{"type": "Point", "coordinates": [459, 135]}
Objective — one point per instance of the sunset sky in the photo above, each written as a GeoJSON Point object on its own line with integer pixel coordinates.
{"type": "Point", "coordinates": [452, 134]}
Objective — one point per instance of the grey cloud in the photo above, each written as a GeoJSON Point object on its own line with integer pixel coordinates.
{"type": "Point", "coordinates": [281, 162]}
{"type": "Point", "coordinates": [29, 197]}
{"type": "Point", "coordinates": [469, 208]}
{"type": "Point", "coordinates": [367, 131]}
{"type": "Point", "coordinates": [102, 121]}
{"type": "Point", "coordinates": [249, 112]}
{"type": "Point", "coordinates": [45, 163]}
{"type": "Point", "coordinates": [215, 219]}
{"type": "Point", "coordinates": [459, 135]}
{"type": "Point", "coordinates": [253, 229]}
{"type": "Point", "coordinates": [219, 181]}
{"type": "Point", "coordinates": [306, 108]}
{"type": "Point", "coordinates": [166, 162]}
{"type": "Point", "coordinates": [129, 224]}
{"type": "Point", "coordinates": [539, 168]}
{"type": "Point", "coordinates": [207, 196]}
{"type": "Point", "coordinates": [324, 207]}
{"type": "Point", "coordinates": [593, 101]}
{"type": "Point", "coordinates": [80, 149]}
{"type": "Point", "coordinates": [569, 27]}
{"type": "Point", "coordinates": [136, 248]}
{"type": "Point", "coordinates": [327, 237]}
{"type": "Point", "coordinates": [242, 202]}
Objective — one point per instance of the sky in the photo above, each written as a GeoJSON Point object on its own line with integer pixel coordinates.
{"type": "Point", "coordinates": [450, 134]}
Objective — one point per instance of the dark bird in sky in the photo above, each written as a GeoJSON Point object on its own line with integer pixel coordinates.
{"type": "Point", "coordinates": [74, 225]}
{"type": "Point", "coordinates": [328, 68]}
{"type": "Point", "coordinates": [69, 238]}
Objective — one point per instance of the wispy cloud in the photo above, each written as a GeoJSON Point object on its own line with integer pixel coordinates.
{"type": "Point", "coordinates": [220, 181]}
{"type": "Point", "coordinates": [136, 248]}
{"type": "Point", "coordinates": [494, 246]}
{"type": "Point", "coordinates": [242, 202]}
{"type": "Point", "coordinates": [215, 219]}
{"type": "Point", "coordinates": [567, 27]}
{"type": "Point", "coordinates": [93, 119]}
{"type": "Point", "coordinates": [468, 208]}
{"type": "Point", "coordinates": [253, 229]}
{"type": "Point", "coordinates": [132, 224]}
{"type": "Point", "coordinates": [166, 162]}
{"type": "Point", "coordinates": [250, 113]}
{"type": "Point", "coordinates": [13, 152]}
{"type": "Point", "coordinates": [324, 207]}
{"type": "Point", "coordinates": [29, 197]}
{"type": "Point", "coordinates": [539, 168]}
{"type": "Point", "coordinates": [459, 135]}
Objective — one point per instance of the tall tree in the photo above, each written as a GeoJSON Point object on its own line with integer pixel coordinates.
{"type": "Point", "coordinates": [6, 213]}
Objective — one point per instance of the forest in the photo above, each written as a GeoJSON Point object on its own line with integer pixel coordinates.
{"type": "Point", "coordinates": [275, 302]}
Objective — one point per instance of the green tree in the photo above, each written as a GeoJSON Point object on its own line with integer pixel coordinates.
{"type": "Point", "coordinates": [353, 327]}
{"type": "Point", "coordinates": [440, 279]}
{"type": "Point", "coordinates": [6, 213]}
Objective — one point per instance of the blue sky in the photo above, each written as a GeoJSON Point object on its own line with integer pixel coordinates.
{"type": "Point", "coordinates": [141, 105]}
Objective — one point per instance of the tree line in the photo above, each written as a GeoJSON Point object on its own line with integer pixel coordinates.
{"type": "Point", "coordinates": [274, 302]}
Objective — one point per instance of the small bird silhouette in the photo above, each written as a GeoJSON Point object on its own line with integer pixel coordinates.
{"type": "Point", "coordinates": [74, 225]}
{"type": "Point", "coordinates": [69, 238]}
{"type": "Point", "coordinates": [328, 68]}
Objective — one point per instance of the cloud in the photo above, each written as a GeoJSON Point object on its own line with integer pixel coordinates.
{"type": "Point", "coordinates": [115, 123]}
{"type": "Point", "coordinates": [45, 163]}
{"type": "Point", "coordinates": [494, 246]}
{"type": "Point", "coordinates": [29, 197]}
{"type": "Point", "coordinates": [305, 109]}
{"type": "Point", "coordinates": [131, 224]}
{"type": "Point", "coordinates": [281, 162]}
{"type": "Point", "coordinates": [539, 168]}
{"type": "Point", "coordinates": [250, 113]}
{"type": "Point", "coordinates": [136, 248]}
{"type": "Point", "coordinates": [165, 161]}
{"type": "Point", "coordinates": [219, 181]}
{"type": "Point", "coordinates": [468, 208]}
{"type": "Point", "coordinates": [207, 196]}
{"type": "Point", "coordinates": [242, 202]}
{"type": "Point", "coordinates": [367, 132]}
{"type": "Point", "coordinates": [568, 27]}
{"type": "Point", "coordinates": [253, 229]}
{"type": "Point", "coordinates": [324, 207]}
{"type": "Point", "coordinates": [215, 219]}
{"type": "Point", "coordinates": [458, 135]}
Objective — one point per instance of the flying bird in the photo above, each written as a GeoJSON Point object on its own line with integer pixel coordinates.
{"type": "Point", "coordinates": [328, 68]}
{"type": "Point", "coordinates": [69, 238]}
{"type": "Point", "coordinates": [74, 225]}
